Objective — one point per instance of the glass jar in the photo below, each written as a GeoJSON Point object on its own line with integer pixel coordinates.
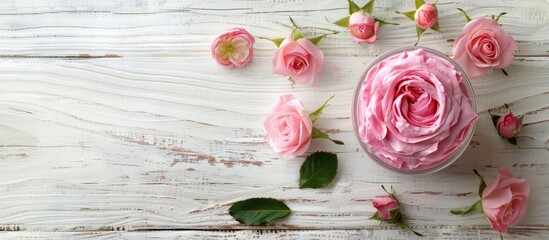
{"type": "Point", "coordinates": [378, 153]}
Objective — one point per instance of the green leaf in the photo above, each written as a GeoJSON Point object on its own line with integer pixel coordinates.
{"type": "Point", "coordinates": [419, 31]}
{"type": "Point", "coordinates": [293, 23]}
{"type": "Point", "coordinates": [512, 140]}
{"type": "Point", "coordinates": [316, 40]}
{"type": "Point", "coordinates": [501, 14]}
{"type": "Point", "coordinates": [297, 34]}
{"type": "Point", "coordinates": [257, 211]}
{"type": "Point", "coordinates": [381, 22]}
{"type": "Point", "coordinates": [521, 118]}
{"type": "Point", "coordinates": [344, 22]}
{"type": "Point", "coordinates": [409, 14]}
{"type": "Point", "coordinates": [495, 119]}
{"type": "Point", "coordinates": [482, 185]}
{"type": "Point", "coordinates": [295, 31]}
{"type": "Point", "coordinates": [419, 3]}
{"type": "Point", "coordinates": [504, 72]}
{"type": "Point", "coordinates": [276, 41]}
{"type": "Point", "coordinates": [316, 114]}
{"type": "Point", "coordinates": [394, 214]}
{"type": "Point", "coordinates": [317, 134]}
{"type": "Point", "coordinates": [464, 13]}
{"type": "Point", "coordinates": [353, 7]}
{"type": "Point", "coordinates": [436, 27]}
{"type": "Point", "coordinates": [376, 216]}
{"type": "Point", "coordinates": [318, 170]}
{"type": "Point", "coordinates": [369, 7]}
{"type": "Point", "coordinates": [402, 224]}
{"type": "Point", "coordinates": [474, 209]}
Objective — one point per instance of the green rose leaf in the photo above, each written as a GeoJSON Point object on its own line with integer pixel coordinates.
{"type": "Point", "coordinates": [353, 7]}
{"type": "Point", "coordinates": [465, 14]}
{"type": "Point", "coordinates": [344, 22]}
{"type": "Point", "coordinates": [501, 14]}
{"type": "Point", "coordinates": [408, 14]}
{"type": "Point", "coordinates": [419, 3]}
{"type": "Point", "coordinates": [258, 211]}
{"type": "Point", "coordinates": [297, 34]}
{"type": "Point", "coordinates": [482, 185]}
{"type": "Point", "coordinates": [474, 209]}
{"type": "Point", "coordinates": [276, 41]}
{"type": "Point", "coordinates": [316, 40]}
{"type": "Point", "coordinates": [436, 27]}
{"type": "Point", "coordinates": [376, 216]}
{"type": "Point", "coordinates": [295, 31]}
{"type": "Point", "coordinates": [316, 114]}
{"type": "Point", "coordinates": [317, 134]}
{"type": "Point", "coordinates": [512, 140]}
{"type": "Point", "coordinates": [419, 31]}
{"type": "Point", "coordinates": [381, 22]}
{"type": "Point", "coordinates": [318, 170]}
{"type": "Point", "coordinates": [402, 224]}
{"type": "Point", "coordinates": [369, 7]}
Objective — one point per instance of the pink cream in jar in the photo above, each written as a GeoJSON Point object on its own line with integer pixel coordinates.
{"type": "Point", "coordinates": [414, 110]}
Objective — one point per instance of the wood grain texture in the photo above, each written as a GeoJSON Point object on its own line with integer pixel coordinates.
{"type": "Point", "coordinates": [154, 135]}
{"type": "Point", "coordinates": [377, 233]}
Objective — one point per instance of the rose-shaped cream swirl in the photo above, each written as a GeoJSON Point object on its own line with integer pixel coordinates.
{"type": "Point", "coordinates": [413, 111]}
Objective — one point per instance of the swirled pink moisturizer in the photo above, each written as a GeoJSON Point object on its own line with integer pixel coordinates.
{"type": "Point", "coordinates": [413, 110]}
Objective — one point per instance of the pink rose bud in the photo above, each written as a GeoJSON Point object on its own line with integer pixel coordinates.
{"type": "Point", "coordinates": [508, 125]}
{"type": "Point", "coordinates": [384, 205]}
{"type": "Point", "coordinates": [426, 16]}
{"type": "Point", "coordinates": [483, 45]}
{"type": "Point", "coordinates": [363, 27]}
{"type": "Point", "coordinates": [301, 60]}
{"type": "Point", "coordinates": [504, 200]}
{"type": "Point", "coordinates": [288, 127]}
{"type": "Point", "coordinates": [233, 48]}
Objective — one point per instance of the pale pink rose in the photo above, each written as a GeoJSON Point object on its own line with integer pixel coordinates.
{"type": "Point", "coordinates": [426, 16]}
{"type": "Point", "coordinates": [508, 126]}
{"type": "Point", "coordinates": [384, 205]}
{"type": "Point", "coordinates": [233, 47]}
{"type": "Point", "coordinates": [483, 45]}
{"type": "Point", "coordinates": [413, 111]}
{"type": "Point", "coordinates": [504, 200]}
{"type": "Point", "coordinates": [300, 59]}
{"type": "Point", "coordinates": [288, 127]}
{"type": "Point", "coordinates": [363, 27]}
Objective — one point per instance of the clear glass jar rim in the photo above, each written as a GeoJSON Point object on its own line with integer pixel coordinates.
{"type": "Point", "coordinates": [456, 154]}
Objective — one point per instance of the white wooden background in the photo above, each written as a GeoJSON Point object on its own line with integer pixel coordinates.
{"type": "Point", "coordinates": [116, 123]}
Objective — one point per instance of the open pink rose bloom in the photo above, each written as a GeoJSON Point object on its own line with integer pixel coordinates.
{"type": "Point", "coordinates": [414, 111]}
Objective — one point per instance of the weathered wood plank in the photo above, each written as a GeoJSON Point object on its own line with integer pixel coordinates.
{"type": "Point", "coordinates": [153, 143]}
{"type": "Point", "coordinates": [374, 233]}
{"type": "Point", "coordinates": [186, 28]}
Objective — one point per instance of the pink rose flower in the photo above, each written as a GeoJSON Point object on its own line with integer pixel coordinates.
{"type": "Point", "coordinates": [384, 205]}
{"type": "Point", "coordinates": [363, 27]}
{"type": "Point", "coordinates": [508, 126]}
{"type": "Point", "coordinates": [300, 60]}
{"type": "Point", "coordinates": [288, 127]}
{"type": "Point", "coordinates": [413, 111]}
{"type": "Point", "coordinates": [504, 200]}
{"type": "Point", "coordinates": [483, 45]}
{"type": "Point", "coordinates": [426, 16]}
{"type": "Point", "coordinates": [233, 48]}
